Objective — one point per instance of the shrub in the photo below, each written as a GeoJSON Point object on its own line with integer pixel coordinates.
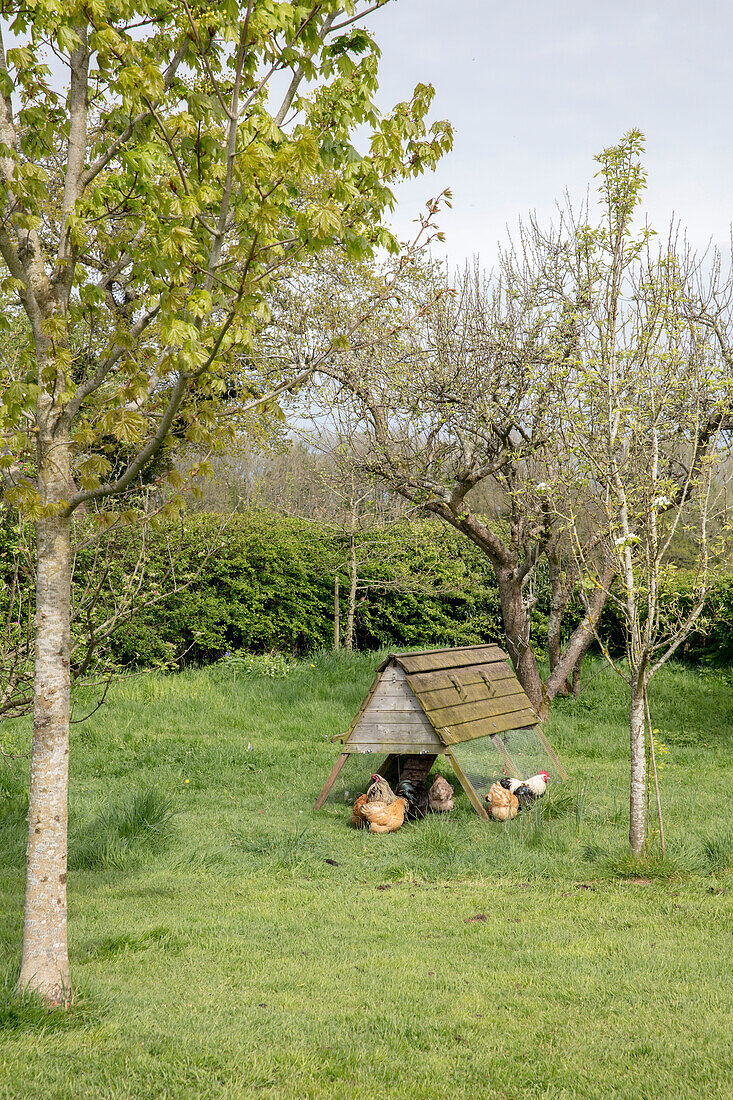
{"type": "Point", "coordinates": [268, 587]}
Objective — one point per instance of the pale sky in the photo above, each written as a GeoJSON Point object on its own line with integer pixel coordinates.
{"type": "Point", "coordinates": [535, 89]}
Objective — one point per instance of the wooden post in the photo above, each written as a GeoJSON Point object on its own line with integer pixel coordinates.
{"type": "Point", "coordinates": [465, 782]}
{"type": "Point", "coordinates": [331, 780]}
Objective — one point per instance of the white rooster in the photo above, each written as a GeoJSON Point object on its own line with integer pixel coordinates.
{"type": "Point", "coordinates": [527, 790]}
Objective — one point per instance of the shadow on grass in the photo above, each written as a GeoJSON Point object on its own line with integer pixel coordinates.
{"type": "Point", "coordinates": [23, 1012]}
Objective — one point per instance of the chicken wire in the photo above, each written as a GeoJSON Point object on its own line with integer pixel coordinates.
{"type": "Point", "coordinates": [354, 777]}
{"type": "Point", "coordinates": [527, 752]}
{"type": "Point", "coordinates": [356, 774]}
{"type": "Point", "coordinates": [480, 760]}
{"type": "Point", "coordinates": [483, 764]}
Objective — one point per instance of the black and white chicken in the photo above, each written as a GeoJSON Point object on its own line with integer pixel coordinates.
{"type": "Point", "coordinates": [527, 790]}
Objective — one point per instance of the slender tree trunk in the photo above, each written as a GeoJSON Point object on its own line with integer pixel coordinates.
{"type": "Point", "coordinates": [336, 614]}
{"type": "Point", "coordinates": [351, 610]}
{"type": "Point", "coordinates": [554, 639]}
{"type": "Point", "coordinates": [577, 677]}
{"type": "Point", "coordinates": [637, 798]}
{"type": "Point", "coordinates": [45, 960]}
{"type": "Point", "coordinates": [559, 598]}
{"type": "Point", "coordinates": [558, 605]}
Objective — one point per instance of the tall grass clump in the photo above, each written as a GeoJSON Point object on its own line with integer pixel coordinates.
{"type": "Point", "coordinates": [137, 826]}
{"type": "Point", "coordinates": [717, 851]}
{"type": "Point", "coordinates": [623, 864]}
{"type": "Point", "coordinates": [27, 1012]}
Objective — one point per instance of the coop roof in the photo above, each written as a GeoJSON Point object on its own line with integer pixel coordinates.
{"type": "Point", "coordinates": [423, 702]}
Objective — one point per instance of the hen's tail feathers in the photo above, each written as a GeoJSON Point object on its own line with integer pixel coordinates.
{"type": "Point", "coordinates": [416, 795]}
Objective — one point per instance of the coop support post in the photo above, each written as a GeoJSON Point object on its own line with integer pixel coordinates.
{"type": "Point", "coordinates": [465, 782]}
{"type": "Point", "coordinates": [550, 752]}
{"type": "Point", "coordinates": [331, 780]}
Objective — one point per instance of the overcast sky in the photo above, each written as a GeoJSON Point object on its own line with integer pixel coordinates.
{"type": "Point", "coordinates": [535, 89]}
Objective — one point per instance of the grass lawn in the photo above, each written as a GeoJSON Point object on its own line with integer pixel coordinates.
{"type": "Point", "coordinates": [226, 941]}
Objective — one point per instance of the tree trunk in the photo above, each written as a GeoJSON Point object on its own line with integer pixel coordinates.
{"type": "Point", "coordinates": [351, 609]}
{"type": "Point", "coordinates": [336, 614]}
{"type": "Point", "coordinates": [516, 614]}
{"type": "Point", "coordinates": [560, 592]}
{"type": "Point", "coordinates": [577, 677]}
{"type": "Point", "coordinates": [558, 606]}
{"type": "Point", "coordinates": [637, 799]}
{"type": "Point", "coordinates": [516, 633]}
{"type": "Point", "coordinates": [45, 959]}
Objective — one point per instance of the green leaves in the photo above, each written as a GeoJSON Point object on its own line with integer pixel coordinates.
{"type": "Point", "coordinates": [155, 200]}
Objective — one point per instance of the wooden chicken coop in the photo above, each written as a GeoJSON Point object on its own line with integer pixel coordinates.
{"type": "Point", "coordinates": [465, 704]}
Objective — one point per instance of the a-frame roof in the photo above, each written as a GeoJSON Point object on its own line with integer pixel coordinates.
{"type": "Point", "coordinates": [463, 693]}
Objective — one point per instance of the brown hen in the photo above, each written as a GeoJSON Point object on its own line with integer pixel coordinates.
{"type": "Point", "coordinates": [357, 817]}
{"type": "Point", "coordinates": [383, 818]}
{"type": "Point", "coordinates": [503, 805]}
{"type": "Point", "coordinates": [440, 795]}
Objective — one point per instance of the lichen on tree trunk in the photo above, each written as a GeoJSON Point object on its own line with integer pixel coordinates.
{"type": "Point", "coordinates": [45, 960]}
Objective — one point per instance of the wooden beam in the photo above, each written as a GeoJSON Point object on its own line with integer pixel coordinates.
{"type": "Point", "coordinates": [550, 752]}
{"type": "Point", "coordinates": [331, 780]}
{"type": "Point", "coordinates": [463, 779]}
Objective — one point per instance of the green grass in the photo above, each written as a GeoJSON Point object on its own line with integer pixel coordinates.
{"type": "Point", "coordinates": [228, 942]}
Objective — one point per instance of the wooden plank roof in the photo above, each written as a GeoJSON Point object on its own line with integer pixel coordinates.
{"type": "Point", "coordinates": [433, 660]}
{"type": "Point", "coordinates": [464, 693]}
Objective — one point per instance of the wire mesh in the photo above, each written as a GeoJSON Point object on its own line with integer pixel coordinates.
{"type": "Point", "coordinates": [356, 774]}
{"type": "Point", "coordinates": [354, 777]}
{"type": "Point", "coordinates": [480, 759]}
{"type": "Point", "coordinates": [481, 762]}
{"type": "Point", "coordinates": [527, 752]}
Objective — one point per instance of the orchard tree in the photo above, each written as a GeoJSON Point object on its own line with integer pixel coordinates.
{"type": "Point", "coordinates": [488, 386]}
{"type": "Point", "coordinates": [648, 395]}
{"type": "Point", "coordinates": [460, 399]}
{"type": "Point", "coordinates": [159, 163]}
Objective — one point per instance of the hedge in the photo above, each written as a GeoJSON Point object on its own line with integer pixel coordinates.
{"type": "Point", "coordinates": [268, 586]}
